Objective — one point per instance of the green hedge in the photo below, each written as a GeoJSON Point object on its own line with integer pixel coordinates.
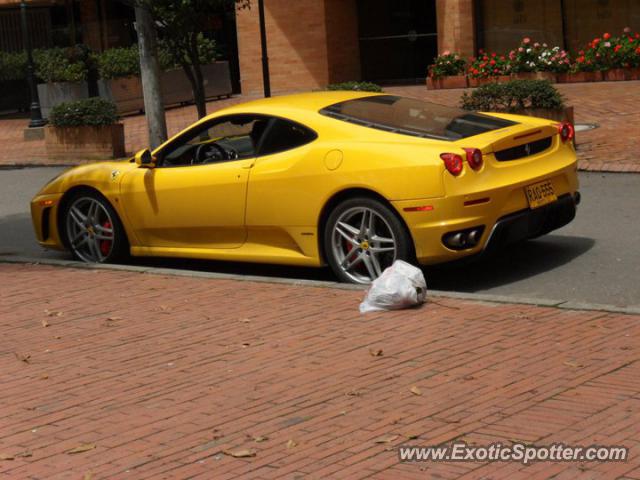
{"type": "Point", "coordinates": [356, 86]}
{"type": "Point", "coordinates": [62, 64]}
{"type": "Point", "coordinates": [118, 63]}
{"type": "Point", "coordinates": [88, 112]}
{"type": "Point", "coordinates": [513, 96]}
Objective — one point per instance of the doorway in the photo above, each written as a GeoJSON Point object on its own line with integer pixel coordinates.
{"type": "Point", "coordinates": [398, 39]}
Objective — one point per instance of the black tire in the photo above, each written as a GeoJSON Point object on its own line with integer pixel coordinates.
{"type": "Point", "coordinates": [118, 250]}
{"type": "Point", "coordinates": [392, 224]}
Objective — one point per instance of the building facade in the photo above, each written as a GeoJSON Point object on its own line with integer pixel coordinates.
{"type": "Point", "coordinates": [326, 41]}
{"type": "Point", "coordinates": [316, 42]}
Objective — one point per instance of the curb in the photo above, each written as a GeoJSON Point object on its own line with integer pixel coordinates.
{"type": "Point", "coordinates": [480, 297]}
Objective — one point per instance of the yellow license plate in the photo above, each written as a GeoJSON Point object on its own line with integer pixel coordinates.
{"type": "Point", "coordinates": [540, 194]}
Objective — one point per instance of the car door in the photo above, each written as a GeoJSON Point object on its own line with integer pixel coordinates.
{"type": "Point", "coordinates": [195, 197]}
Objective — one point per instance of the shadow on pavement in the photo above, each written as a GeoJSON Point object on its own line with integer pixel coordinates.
{"type": "Point", "coordinates": [513, 264]}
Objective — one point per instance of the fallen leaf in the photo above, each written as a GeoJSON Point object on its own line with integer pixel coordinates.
{"type": "Point", "coordinates": [245, 320]}
{"type": "Point", "coordinates": [260, 438]}
{"type": "Point", "coordinates": [291, 444]}
{"type": "Point", "coordinates": [85, 447]}
{"type": "Point", "coordinates": [413, 436]}
{"type": "Point", "coordinates": [353, 393]}
{"type": "Point", "coordinates": [53, 314]}
{"type": "Point", "coordinates": [415, 390]}
{"type": "Point", "coordinates": [57, 337]}
{"type": "Point", "coordinates": [25, 454]}
{"type": "Point", "coordinates": [45, 324]}
{"type": "Point", "coordinates": [376, 353]}
{"type": "Point", "coordinates": [23, 357]}
{"type": "Point", "coordinates": [572, 364]}
{"type": "Point", "coordinates": [44, 376]}
{"type": "Point", "coordinates": [5, 456]}
{"type": "Point", "coordinates": [468, 377]}
{"type": "Point", "coordinates": [246, 344]}
{"type": "Point", "coordinates": [387, 439]}
{"type": "Point", "coordinates": [240, 453]}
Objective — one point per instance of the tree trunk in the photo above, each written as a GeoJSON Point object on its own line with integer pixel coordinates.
{"type": "Point", "coordinates": [150, 74]}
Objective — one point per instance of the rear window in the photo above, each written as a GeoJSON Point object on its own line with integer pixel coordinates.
{"type": "Point", "coordinates": [417, 118]}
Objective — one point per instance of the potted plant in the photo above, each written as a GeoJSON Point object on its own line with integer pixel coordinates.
{"type": "Point", "coordinates": [537, 98]}
{"type": "Point", "coordinates": [84, 130]}
{"type": "Point", "coordinates": [119, 71]}
{"type": "Point", "coordinates": [488, 68]}
{"type": "Point", "coordinates": [62, 73]}
{"type": "Point", "coordinates": [530, 61]}
{"type": "Point", "coordinates": [447, 71]}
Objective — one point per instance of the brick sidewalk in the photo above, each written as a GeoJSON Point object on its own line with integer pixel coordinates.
{"type": "Point", "coordinates": [156, 376]}
{"type": "Point", "coordinates": [612, 147]}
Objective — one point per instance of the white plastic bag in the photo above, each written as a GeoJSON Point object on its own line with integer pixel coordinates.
{"type": "Point", "coordinates": [400, 286]}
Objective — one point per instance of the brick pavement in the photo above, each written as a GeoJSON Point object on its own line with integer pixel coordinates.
{"type": "Point", "coordinates": [156, 376]}
{"type": "Point", "coordinates": [612, 105]}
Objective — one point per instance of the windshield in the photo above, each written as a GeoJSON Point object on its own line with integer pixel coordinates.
{"type": "Point", "coordinates": [410, 116]}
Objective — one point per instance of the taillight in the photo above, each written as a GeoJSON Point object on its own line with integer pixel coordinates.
{"type": "Point", "coordinates": [566, 131]}
{"type": "Point", "coordinates": [474, 158]}
{"type": "Point", "coordinates": [453, 163]}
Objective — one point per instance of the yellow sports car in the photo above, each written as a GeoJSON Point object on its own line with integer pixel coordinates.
{"type": "Point", "coordinates": [349, 179]}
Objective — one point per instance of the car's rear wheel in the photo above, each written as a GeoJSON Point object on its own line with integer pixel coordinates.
{"type": "Point", "coordinates": [93, 230]}
{"type": "Point", "coordinates": [363, 237]}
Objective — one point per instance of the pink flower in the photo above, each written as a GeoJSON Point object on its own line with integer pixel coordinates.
{"type": "Point", "coordinates": [627, 30]}
{"type": "Point", "coordinates": [607, 44]}
{"type": "Point", "coordinates": [446, 52]}
{"type": "Point", "coordinates": [526, 40]}
{"type": "Point", "coordinates": [536, 45]}
{"type": "Point", "coordinates": [521, 49]}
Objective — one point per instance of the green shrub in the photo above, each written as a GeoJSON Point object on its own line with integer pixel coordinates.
{"type": "Point", "coordinates": [90, 111]}
{"type": "Point", "coordinates": [118, 63]}
{"type": "Point", "coordinates": [356, 86]}
{"type": "Point", "coordinates": [513, 96]}
{"type": "Point", "coordinates": [13, 66]}
{"type": "Point", "coordinates": [61, 64]}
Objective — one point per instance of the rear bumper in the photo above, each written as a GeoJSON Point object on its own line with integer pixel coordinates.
{"type": "Point", "coordinates": [528, 223]}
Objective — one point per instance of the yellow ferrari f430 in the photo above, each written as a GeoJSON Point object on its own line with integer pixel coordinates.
{"type": "Point", "coordinates": [352, 180]}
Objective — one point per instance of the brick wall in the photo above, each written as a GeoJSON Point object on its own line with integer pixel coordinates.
{"type": "Point", "coordinates": [297, 43]}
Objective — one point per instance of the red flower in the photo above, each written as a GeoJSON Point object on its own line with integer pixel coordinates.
{"type": "Point", "coordinates": [596, 41]}
{"type": "Point", "coordinates": [494, 55]}
{"type": "Point", "coordinates": [617, 48]}
{"type": "Point", "coordinates": [495, 70]}
{"type": "Point", "coordinates": [606, 36]}
{"type": "Point", "coordinates": [638, 50]}
{"type": "Point", "coordinates": [492, 62]}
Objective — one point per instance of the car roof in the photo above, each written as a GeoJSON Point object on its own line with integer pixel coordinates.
{"type": "Point", "coordinates": [301, 103]}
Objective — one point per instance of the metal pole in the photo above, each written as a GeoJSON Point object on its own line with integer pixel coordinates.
{"type": "Point", "coordinates": [266, 80]}
{"type": "Point", "coordinates": [36, 113]}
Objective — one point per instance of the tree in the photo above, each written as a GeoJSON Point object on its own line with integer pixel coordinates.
{"type": "Point", "coordinates": [181, 25]}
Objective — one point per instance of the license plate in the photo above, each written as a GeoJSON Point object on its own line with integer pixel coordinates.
{"type": "Point", "coordinates": [540, 194]}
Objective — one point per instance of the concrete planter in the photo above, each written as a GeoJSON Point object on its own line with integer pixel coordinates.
{"type": "Point", "coordinates": [176, 88]}
{"type": "Point", "coordinates": [549, 76]}
{"type": "Point", "coordinates": [453, 81]}
{"type": "Point", "coordinates": [476, 82]}
{"type": "Point", "coordinates": [126, 93]}
{"type": "Point", "coordinates": [85, 143]}
{"type": "Point", "coordinates": [579, 77]}
{"type": "Point", "coordinates": [52, 94]}
{"type": "Point", "coordinates": [615, 75]}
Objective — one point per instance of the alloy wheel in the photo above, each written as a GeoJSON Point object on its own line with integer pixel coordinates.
{"type": "Point", "coordinates": [363, 244]}
{"type": "Point", "coordinates": [90, 230]}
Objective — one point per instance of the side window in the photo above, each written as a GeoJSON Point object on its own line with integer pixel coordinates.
{"type": "Point", "coordinates": [285, 135]}
{"type": "Point", "coordinates": [223, 139]}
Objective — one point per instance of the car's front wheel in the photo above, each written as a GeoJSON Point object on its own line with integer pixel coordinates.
{"type": "Point", "coordinates": [93, 230]}
{"type": "Point", "coordinates": [363, 237]}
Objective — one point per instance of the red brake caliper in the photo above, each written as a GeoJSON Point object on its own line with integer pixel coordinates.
{"type": "Point", "coordinates": [105, 245]}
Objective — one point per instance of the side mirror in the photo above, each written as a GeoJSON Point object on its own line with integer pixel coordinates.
{"type": "Point", "coordinates": [145, 159]}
